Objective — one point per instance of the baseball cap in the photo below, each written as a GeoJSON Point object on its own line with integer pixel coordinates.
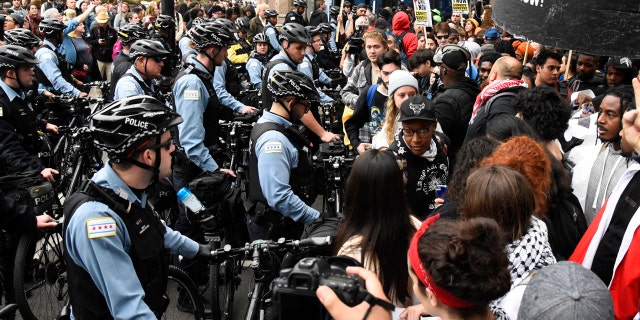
{"type": "Point", "coordinates": [619, 63]}
{"type": "Point", "coordinates": [401, 78]}
{"type": "Point", "coordinates": [417, 108]}
{"type": "Point", "coordinates": [492, 34]}
{"type": "Point", "coordinates": [566, 290]}
{"type": "Point", "coordinates": [453, 56]}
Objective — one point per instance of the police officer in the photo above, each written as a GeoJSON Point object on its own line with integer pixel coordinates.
{"type": "Point", "coordinates": [117, 248]}
{"type": "Point", "coordinates": [309, 65]}
{"type": "Point", "coordinates": [54, 72]}
{"type": "Point", "coordinates": [271, 16]}
{"type": "Point", "coordinates": [128, 35]}
{"type": "Point", "coordinates": [27, 39]}
{"type": "Point", "coordinates": [296, 14]}
{"type": "Point", "coordinates": [19, 137]}
{"type": "Point", "coordinates": [294, 38]}
{"type": "Point", "coordinates": [258, 59]}
{"type": "Point", "coordinates": [165, 26]}
{"type": "Point", "coordinates": [196, 101]}
{"type": "Point", "coordinates": [282, 183]}
{"type": "Point", "coordinates": [148, 57]}
{"type": "Point", "coordinates": [239, 52]}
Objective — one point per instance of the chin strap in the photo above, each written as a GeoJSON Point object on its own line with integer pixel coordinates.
{"type": "Point", "coordinates": [155, 169]}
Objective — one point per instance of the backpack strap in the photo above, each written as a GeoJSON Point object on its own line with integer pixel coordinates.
{"type": "Point", "coordinates": [371, 93]}
{"type": "Point", "coordinates": [487, 105]}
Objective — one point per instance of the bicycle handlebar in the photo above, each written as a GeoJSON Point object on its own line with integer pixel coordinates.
{"type": "Point", "coordinates": [261, 246]}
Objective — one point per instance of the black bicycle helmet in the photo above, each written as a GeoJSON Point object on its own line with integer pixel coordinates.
{"type": "Point", "coordinates": [260, 38]}
{"type": "Point", "coordinates": [197, 20]}
{"type": "Point", "coordinates": [270, 13]}
{"type": "Point", "coordinates": [12, 56]}
{"type": "Point", "coordinates": [210, 33]}
{"type": "Point", "coordinates": [132, 32]}
{"type": "Point", "coordinates": [225, 23]}
{"type": "Point", "coordinates": [121, 126]}
{"type": "Point", "coordinates": [147, 48]}
{"type": "Point", "coordinates": [313, 30]}
{"type": "Point", "coordinates": [334, 10]}
{"type": "Point", "coordinates": [300, 3]}
{"type": "Point", "coordinates": [164, 22]}
{"type": "Point", "coordinates": [242, 25]}
{"type": "Point", "coordinates": [326, 27]}
{"type": "Point", "coordinates": [50, 27]}
{"type": "Point", "coordinates": [294, 32]}
{"type": "Point", "coordinates": [21, 37]}
{"type": "Point", "coordinates": [288, 83]}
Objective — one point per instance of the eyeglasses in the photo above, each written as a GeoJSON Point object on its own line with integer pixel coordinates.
{"type": "Point", "coordinates": [443, 37]}
{"type": "Point", "coordinates": [422, 133]}
{"type": "Point", "coordinates": [166, 145]}
{"type": "Point", "coordinates": [159, 59]}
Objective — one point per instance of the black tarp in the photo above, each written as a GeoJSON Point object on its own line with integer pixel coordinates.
{"type": "Point", "coordinates": [599, 27]}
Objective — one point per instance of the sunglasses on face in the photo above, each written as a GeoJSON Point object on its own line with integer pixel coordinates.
{"type": "Point", "coordinates": [159, 59]}
{"type": "Point", "coordinates": [442, 37]}
{"type": "Point", "coordinates": [166, 145]}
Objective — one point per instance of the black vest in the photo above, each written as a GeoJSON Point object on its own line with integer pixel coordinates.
{"type": "Point", "coordinates": [302, 179]}
{"type": "Point", "coordinates": [63, 65]}
{"type": "Point", "coordinates": [149, 257]}
{"type": "Point", "coordinates": [23, 119]}
{"type": "Point", "coordinates": [212, 111]}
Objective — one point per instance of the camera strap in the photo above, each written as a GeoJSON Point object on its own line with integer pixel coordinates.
{"type": "Point", "coordinates": [373, 301]}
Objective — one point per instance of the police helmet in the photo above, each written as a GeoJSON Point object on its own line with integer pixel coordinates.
{"type": "Point", "coordinates": [260, 38]}
{"type": "Point", "coordinates": [210, 33]}
{"type": "Point", "coordinates": [270, 13]}
{"type": "Point", "coordinates": [294, 32]}
{"type": "Point", "coordinates": [147, 48]}
{"type": "Point", "coordinates": [12, 56]}
{"type": "Point", "coordinates": [21, 37]}
{"type": "Point", "coordinates": [164, 22]}
{"type": "Point", "coordinates": [288, 83]}
{"type": "Point", "coordinates": [132, 32]}
{"type": "Point", "coordinates": [121, 126]}
{"type": "Point", "coordinates": [51, 27]}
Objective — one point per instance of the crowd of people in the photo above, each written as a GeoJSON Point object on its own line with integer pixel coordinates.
{"type": "Point", "coordinates": [494, 177]}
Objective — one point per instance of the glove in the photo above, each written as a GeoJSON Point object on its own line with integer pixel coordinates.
{"type": "Point", "coordinates": [204, 251]}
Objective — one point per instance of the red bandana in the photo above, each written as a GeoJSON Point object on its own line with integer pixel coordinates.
{"type": "Point", "coordinates": [445, 296]}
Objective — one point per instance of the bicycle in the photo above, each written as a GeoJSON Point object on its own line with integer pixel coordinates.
{"type": "Point", "coordinates": [74, 154]}
{"type": "Point", "coordinates": [335, 166]}
{"type": "Point", "coordinates": [238, 134]}
{"type": "Point", "coordinates": [39, 274]}
{"type": "Point", "coordinates": [266, 263]}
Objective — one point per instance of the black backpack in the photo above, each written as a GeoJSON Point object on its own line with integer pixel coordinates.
{"type": "Point", "coordinates": [397, 41]}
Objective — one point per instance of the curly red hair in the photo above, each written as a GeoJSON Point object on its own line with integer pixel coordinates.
{"type": "Point", "coordinates": [528, 157]}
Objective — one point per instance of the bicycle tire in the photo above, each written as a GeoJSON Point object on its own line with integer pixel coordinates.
{"type": "Point", "coordinates": [40, 275]}
{"type": "Point", "coordinates": [222, 289]}
{"type": "Point", "coordinates": [185, 301]}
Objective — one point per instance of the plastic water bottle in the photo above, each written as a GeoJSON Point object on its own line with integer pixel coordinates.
{"type": "Point", "coordinates": [190, 200]}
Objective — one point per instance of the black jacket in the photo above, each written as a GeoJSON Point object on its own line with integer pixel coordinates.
{"type": "Point", "coordinates": [293, 16]}
{"type": "Point", "coordinates": [454, 104]}
{"type": "Point", "coordinates": [502, 104]}
{"type": "Point", "coordinates": [102, 52]}
{"type": "Point", "coordinates": [318, 17]}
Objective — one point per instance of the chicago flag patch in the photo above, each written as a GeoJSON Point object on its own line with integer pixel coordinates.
{"type": "Point", "coordinates": [273, 147]}
{"type": "Point", "coordinates": [101, 227]}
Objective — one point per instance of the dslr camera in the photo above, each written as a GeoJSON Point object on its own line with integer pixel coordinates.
{"type": "Point", "coordinates": [294, 292]}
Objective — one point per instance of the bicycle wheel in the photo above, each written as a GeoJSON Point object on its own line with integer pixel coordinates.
{"type": "Point", "coordinates": [185, 301]}
{"type": "Point", "coordinates": [40, 278]}
{"type": "Point", "coordinates": [222, 277]}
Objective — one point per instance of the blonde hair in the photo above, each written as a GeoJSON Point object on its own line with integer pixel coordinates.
{"type": "Point", "coordinates": [68, 15]}
{"type": "Point", "coordinates": [391, 114]}
{"type": "Point", "coordinates": [376, 35]}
